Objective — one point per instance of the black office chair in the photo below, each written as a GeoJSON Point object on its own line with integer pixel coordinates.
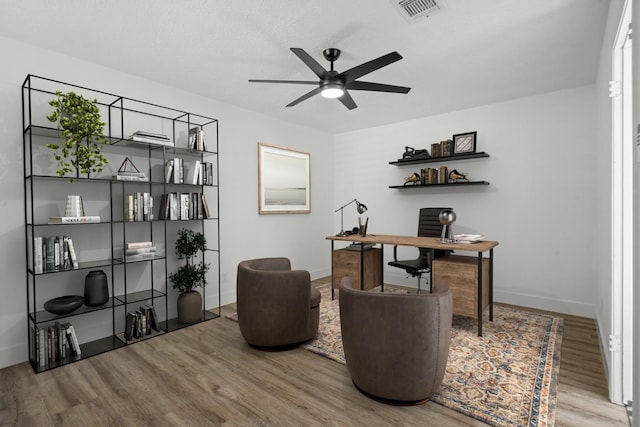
{"type": "Point", "coordinates": [428, 226]}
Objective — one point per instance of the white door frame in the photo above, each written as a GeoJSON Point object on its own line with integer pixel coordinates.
{"type": "Point", "coordinates": [622, 209]}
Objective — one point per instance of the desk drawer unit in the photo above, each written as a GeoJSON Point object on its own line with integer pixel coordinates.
{"type": "Point", "coordinates": [461, 274]}
{"type": "Point", "coordinates": [347, 263]}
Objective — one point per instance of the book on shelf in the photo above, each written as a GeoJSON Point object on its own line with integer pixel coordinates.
{"type": "Point", "coordinates": [139, 207]}
{"type": "Point", "coordinates": [37, 262]}
{"type": "Point", "coordinates": [120, 177]}
{"type": "Point", "coordinates": [74, 219]}
{"type": "Point", "coordinates": [138, 251]}
{"type": "Point", "coordinates": [138, 245]}
{"type": "Point", "coordinates": [53, 253]}
{"type": "Point", "coordinates": [183, 206]}
{"type": "Point", "coordinates": [196, 139]}
{"type": "Point", "coordinates": [151, 138]}
{"type": "Point", "coordinates": [140, 323]}
{"type": "Point", "coordinates": [174, 171]}
{"type": "Point", "coordinates": [152, 317]}
{"type": "Point", "coordinates": [193, 173]}
{"type": "Point", "coordinates": [145, 134]}
{"type": "Point", "coordinates": [54, 343]}
{"type": "Point", "coordinates": [75, 345]}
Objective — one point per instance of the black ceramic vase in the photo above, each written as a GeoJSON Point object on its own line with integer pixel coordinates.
{"type": "Point", "coordinates": [96, 288]}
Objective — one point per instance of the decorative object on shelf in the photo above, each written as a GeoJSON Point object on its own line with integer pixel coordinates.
{"type": "Point", "coordinates": [413, 179]}
{"type": "Point", "coordinates": [73, 206]}
{"type": "Point", "coordinates": [129, 172]}
{"type": "Point", "coordinates": [64, 305]}
{"type": "Point", "coordinates": [413, 154]}
{"type": "Point", "coordinates": [454, 176]}
{"type": "Point", "coordinates": [81, 131]}
{"type": "Point", "coordinates": [361, 208]}
{"type": "Point", "coordinates": [284, 180]}
{"type": "Point", "coordinates": [464, 143]}
{"type": "Point", "coordinates": [96, 288]}
{"type": "Point", "coordinates": [190, 276]}
{"type": "Point", "coordinates": [446, 218]}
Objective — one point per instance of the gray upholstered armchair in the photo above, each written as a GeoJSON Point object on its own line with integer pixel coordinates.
{"type": "Point", "coordinates": [277, 306]}
{"type": "Point", "coordinates": [396, 345]}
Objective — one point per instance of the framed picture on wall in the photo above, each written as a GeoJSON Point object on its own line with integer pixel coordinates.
{"type": "Point", "coordinates": [284, 180]}
{"type": "Point", "coordinates": [464, 143]}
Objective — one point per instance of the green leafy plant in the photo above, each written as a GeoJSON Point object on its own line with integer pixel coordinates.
{"type": "Point", "coordinates": [192, 274]}
{"type": "Point", "coordinates": [81, 132]}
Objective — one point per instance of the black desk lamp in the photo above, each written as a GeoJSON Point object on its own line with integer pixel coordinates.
{"type": "Point", "coordinates": [359, 206]}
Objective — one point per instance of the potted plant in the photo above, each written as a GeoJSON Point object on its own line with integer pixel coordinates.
{"type": "Point", "coordinates": [189, 276]}
{"type": "Point", "coordinates": [81, 132]}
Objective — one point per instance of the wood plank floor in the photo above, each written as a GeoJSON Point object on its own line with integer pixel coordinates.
{"type": "Point", "coordinates": [207, 375]}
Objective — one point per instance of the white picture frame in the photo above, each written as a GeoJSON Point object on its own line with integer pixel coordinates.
{"type": "Point", "coordinates": [284, 180]}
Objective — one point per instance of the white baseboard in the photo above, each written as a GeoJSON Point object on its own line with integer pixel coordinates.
{"type": "Point", "coordinates": [13, 355]}
{"type": "Point", "coordinates": [510, 297]}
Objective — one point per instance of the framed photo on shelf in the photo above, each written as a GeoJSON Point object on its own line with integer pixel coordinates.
{"type": "Point", "coordinates": [284, 180]}
{"type": "Point", "coordinates": [464, 143]}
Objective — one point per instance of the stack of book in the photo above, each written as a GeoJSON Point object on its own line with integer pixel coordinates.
{"type": "Point", "coordinates": [55, 344]}
{"type": "Point", "coordinates": [196, 139]}
{"type": "Point", "coordinates": [151, 138]}
{"type": "Point", "coordinates": [139, 207]}
{"type": "Point", "coordinates": [183, 206]}
{"type": "Point", "coordinates": [130, 176]}
{"type": "Point", "coordinates": [54, 253]}
{"type": "Point", "coordinates": [141, 322]}
{"type": "Point", "coordinates": [139, 250]}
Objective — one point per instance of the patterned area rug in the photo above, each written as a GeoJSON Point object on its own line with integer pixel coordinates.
{"type": "Point", "coordinates": [507, 377]}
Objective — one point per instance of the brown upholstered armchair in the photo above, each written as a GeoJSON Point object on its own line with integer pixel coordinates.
{"type": "Point", "coordinates": [277, 306]}
{"type": "Point", "coordinates": [396, 345]}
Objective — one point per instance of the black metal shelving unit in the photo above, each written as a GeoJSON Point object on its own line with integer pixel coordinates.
{"type": "Point", "coordinates": [123, 116]}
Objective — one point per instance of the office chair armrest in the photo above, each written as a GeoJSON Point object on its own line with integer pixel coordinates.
{"type": "Point", "coordinates": [395, 252]}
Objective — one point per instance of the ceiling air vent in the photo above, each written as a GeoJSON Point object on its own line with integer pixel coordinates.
{"type": "Point", "coordinates": [415, 10]}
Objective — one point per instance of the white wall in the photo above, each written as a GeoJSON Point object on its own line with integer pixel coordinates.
{"type": "Point", "coordinates": [540, 204]}
{"type": "Point", "coordinates": [245, 234]}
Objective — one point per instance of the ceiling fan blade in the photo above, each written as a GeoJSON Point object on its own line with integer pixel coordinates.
{"type": "Point", "coordinates": [358, 71]}
{"type": "Point", "coordinates": [348, 101]}
{"type": "Point", "coordinates": [377, 87]}
{"type": "Point", "coordinates": [298, 82]}
{"type": "Point", "coordinates": [318, 69]}
{"type": "Point", "coordinates": [305, 96]}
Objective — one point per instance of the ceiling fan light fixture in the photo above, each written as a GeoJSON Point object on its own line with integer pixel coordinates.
{"type": "Point", "coordinates": [332, 90]}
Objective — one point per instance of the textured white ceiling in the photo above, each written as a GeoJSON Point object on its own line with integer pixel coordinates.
{"type": "Point", "coordinates": [469, 53]}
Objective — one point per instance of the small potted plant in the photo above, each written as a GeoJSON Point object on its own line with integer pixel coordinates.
{"type": "Point", "coordinates": [190, 276]}
{"type": "Point", "coordinates": [81, 132]}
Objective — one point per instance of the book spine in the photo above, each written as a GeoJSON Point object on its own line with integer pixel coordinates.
{"type": "Point", "coordinates": [74, 339]}
{"type": "Point", "coordinates": [130, 208]}
{"type": "Point", "coordinates": [72, 255]}
{"type": "Point", "coordinates": [37, 255]}
{"type": "Point", "coordinates": [49, 254]}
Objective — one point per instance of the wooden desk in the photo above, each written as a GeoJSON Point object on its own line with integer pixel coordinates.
{"type": "Point", "coordinates": [347, 262]}
{"type": "Point", "coordinates": [429, 243]}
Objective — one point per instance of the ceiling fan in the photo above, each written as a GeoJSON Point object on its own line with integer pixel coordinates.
{"type": "Point", "coordinates": [335, 85]}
